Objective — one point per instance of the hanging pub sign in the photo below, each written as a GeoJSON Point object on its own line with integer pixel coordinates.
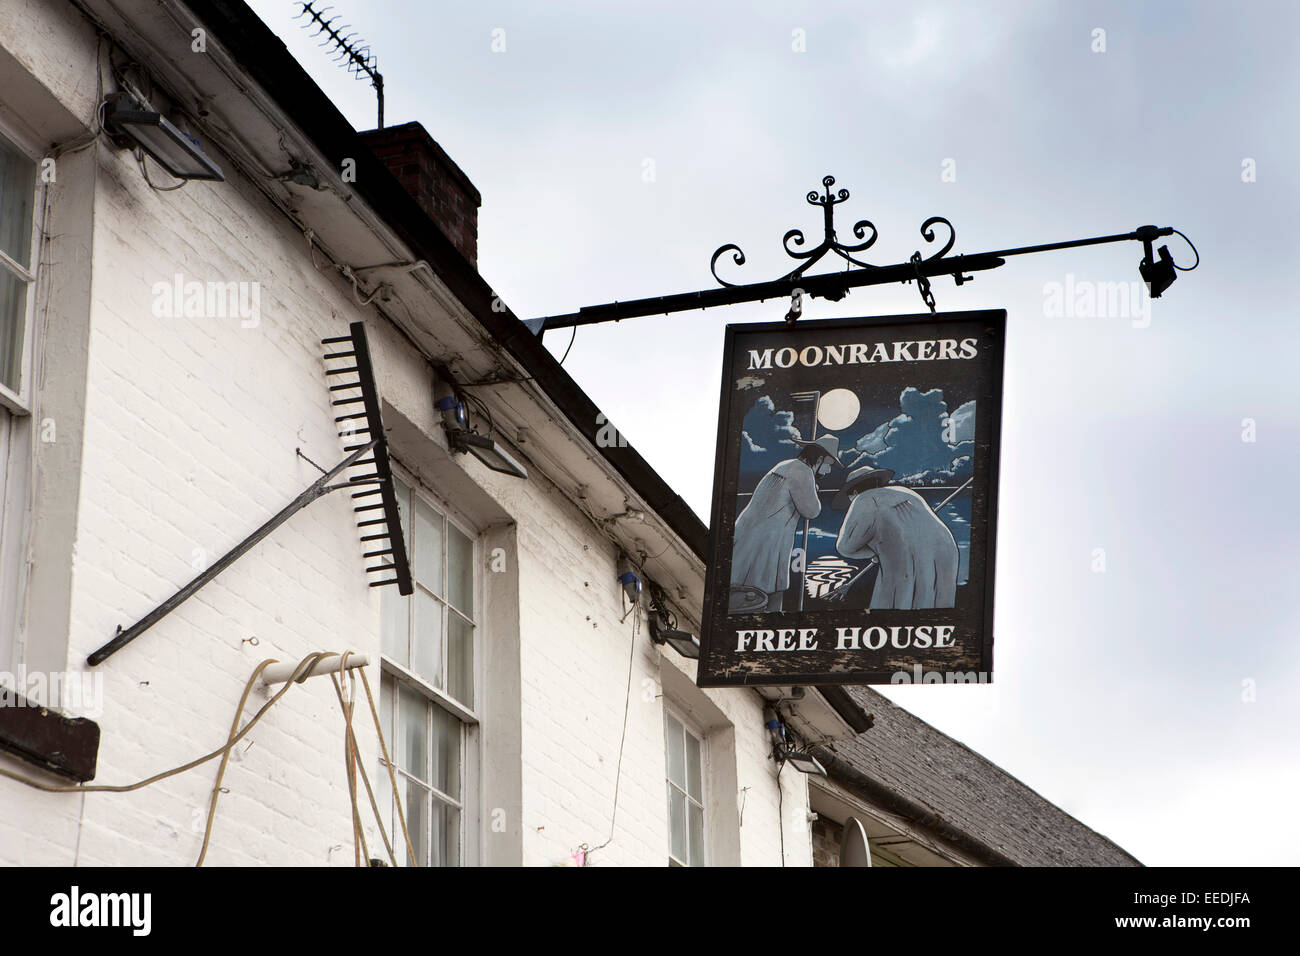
{"type": "Point", "coordinates": [855, 502]}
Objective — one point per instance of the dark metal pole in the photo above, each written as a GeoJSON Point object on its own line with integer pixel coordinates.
{"type": "Point", "coordinates": [833, 285]}
{"type": "Point", "coordinates": [320, 487]}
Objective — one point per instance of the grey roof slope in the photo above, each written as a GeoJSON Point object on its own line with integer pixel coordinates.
{"type": "Point", "coordinates": [950, 790]}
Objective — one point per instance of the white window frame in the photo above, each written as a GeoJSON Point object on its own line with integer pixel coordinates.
{"type": "Point", "coordinates": [17, 423]}
{"type": "Point", "coordinates": [460, 804]}
{"type": "Point", "coordinates": [20, 402]}
{"type": "Point", "coordinates": [467, 804]}
{"type": "Point", "coordinates": [702, 738]}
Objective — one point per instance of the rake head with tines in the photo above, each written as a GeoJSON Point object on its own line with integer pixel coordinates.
{"type": "Point", "coordinates": [361, 426]}
{"type": "Point", "coordinates": [354, 401]}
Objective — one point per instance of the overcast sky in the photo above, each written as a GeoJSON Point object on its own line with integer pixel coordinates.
{"type": "Point", "coordinates": [616, 147]}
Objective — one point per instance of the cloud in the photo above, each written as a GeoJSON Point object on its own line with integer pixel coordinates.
{"type": "Point", "coordinates": [962, 422]}
{"type": "Point", "coordinates": [766, 437]}
{"type": "Point", "coordinates": [962, 467]}
{"type": "Point", "coordinates": [873, 443]}
{"type": "Point", "coordinates": [915, 438]}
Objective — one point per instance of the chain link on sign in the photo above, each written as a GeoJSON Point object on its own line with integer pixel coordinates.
{"type": "Point", "coordinates": [922, 283]}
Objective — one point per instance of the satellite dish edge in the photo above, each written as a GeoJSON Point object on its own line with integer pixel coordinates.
{"type": "Point", "coordinates": [854, 848]}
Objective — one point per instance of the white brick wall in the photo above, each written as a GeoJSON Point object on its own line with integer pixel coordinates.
{"type": "Point", "coordinates": [189, 438]}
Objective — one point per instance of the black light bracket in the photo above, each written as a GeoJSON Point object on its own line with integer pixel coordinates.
{"type": "Point", "coordinates": [130, 124]}
{"type": "Point", "coordinates": [1158, 273]}
{"type": "Point", "coordinates": [463, 437]}
{"type": "Point", "coordinates": [663, 625]}
{"type": "Point", "coordinates": [379, 521]}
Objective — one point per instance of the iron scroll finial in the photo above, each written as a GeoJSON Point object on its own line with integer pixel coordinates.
{"type": "Point", "coordinates": [863, 231]}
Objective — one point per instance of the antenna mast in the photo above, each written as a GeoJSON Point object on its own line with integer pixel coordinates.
{"type": "Point", "coordinates": [359, 59]}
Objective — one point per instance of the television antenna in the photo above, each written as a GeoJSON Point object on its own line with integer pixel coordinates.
{"type": "Point", "coordinates": [360, 61]}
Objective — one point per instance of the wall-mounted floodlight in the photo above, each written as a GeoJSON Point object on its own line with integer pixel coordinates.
{"type": "Point", "coordinates": [664, 630]}
{"type": "Point", "coordinates": [683, 642]}
{"type": "Point", "coordinates": [804, 762]}
{"type": "Point", "coordinates": [466, 440]}
{"type": "Point", "coordinates": [488, 452]}
{"type": "Point", "coordinates": [782, 750]}
{"type": "Point", "coordinates": [130, 124]}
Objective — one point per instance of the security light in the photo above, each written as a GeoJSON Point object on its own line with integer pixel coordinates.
{"type": "Point", "coordinates": [463, 439]}
{"type": "Point", "coordinates": [804, 762]}
{"type": "Point", "coordinates": [683, 642]}
{"type": "Point", "coordinates": [486, 451]}
{"type": "Point", "coordinates": [130, 124]}
{"type": "Point", "coordinates": [664, 630]}
{"type": "Point", "coordinates": [782, 751]}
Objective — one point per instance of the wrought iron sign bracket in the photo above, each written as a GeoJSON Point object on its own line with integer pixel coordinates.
{"type": "Point", "coordinates": [1158, 272]}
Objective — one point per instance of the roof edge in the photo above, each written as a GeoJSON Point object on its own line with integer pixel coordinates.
{"type": "Point", "coordinates": [267, 60]}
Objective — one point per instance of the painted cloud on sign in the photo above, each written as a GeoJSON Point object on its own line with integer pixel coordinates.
{"type": "Point", "coordinates": [923, 437]}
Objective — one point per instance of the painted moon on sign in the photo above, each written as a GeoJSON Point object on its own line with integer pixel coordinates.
{"type": "Point", "coordinates": [838, 409]}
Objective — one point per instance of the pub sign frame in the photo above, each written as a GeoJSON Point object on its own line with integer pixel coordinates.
{"type": "Point", "coordinates": [853, 529]}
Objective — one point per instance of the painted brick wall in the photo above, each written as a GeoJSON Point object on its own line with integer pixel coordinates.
{"type": "Point", "coordinates": [190, 430]}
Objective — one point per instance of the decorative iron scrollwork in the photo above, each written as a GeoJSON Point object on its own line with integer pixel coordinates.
{"type": "Point", "coordinates": [863, 231]}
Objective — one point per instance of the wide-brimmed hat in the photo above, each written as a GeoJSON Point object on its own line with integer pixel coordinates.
{"type": "Point", "coordinates": [860, 479]}
{"type": "Point", "coordinates": [827, 443]}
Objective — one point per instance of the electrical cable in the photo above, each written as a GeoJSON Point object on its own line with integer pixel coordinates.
{"type": "Point", "coordinates": [495, 381]}
{"type": "Point", "coordinates": [303, 666]}
{"type": "Point", "coordinates": [225, 758]}
{"type": "Point", "coordinates": [299, 674]}
{"type": "Point", "coordinates": [627, 703]}
{"type": "Point", "coordinates": [365, 778]}
{"type": "Point", "coordinates": [97, 121]}
{"type": "Point", "coordinates": [572, 337]}
{"type": "Point", "coordinates": [144, 171]}
{"type": "Point", "coordinates": [780, 810]}
{"type": "Point", "coordinates": [359, 848]}
{"type": "Point", "coordinates": [392, 775]}
{"type": "Point", "coordinates": [1197, 254]}
{"type": "Point", "coordinates": [487, 412]}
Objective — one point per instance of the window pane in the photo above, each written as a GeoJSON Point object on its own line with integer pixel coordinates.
{"type": "Point", "coordinates": [404, 509]}
{"type": "Point", "coordinates": [416, 804]}
{"type": "Point", "coordinates": [13, 316]}
{"type": "Point", "coordinates": [696, 818]}
{"type": "Point", "coordinates": [460, 659]}
{"type": "Point", "coordinates": [460, 571]}
{"type": "Point", "coordinates": [677, 823]}
{"type": "Point", "coordinates": [446, 752]}
{"type": "Point", "coordinates": [396, 625]}
{"type": "Point", "coordinates": [426, 643]}
{"type": "Point", "coordinates": [676, 757]}
{"type": "Point", "coordinates": [693, 767]}
{"type": "Point", "coordinates": [386, 715]}
{"type": "Point", "coordinates": [428, 547]}
{"type": "Point", "coordinates": [413, 733]}
{"type": "Point", "coordinates": [17, 192]}
{"type": "Point", "coordinates": [446, 835]}
{"type": "Point", "coordinates": [388, 812]}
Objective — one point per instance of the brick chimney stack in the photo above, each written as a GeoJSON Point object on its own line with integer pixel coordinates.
{"type": "Point", "coordinates": [438, 184]}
